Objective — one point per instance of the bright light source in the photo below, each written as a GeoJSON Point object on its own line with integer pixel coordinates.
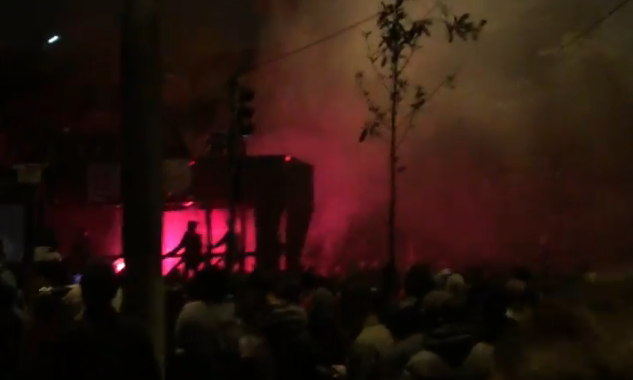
{"type": "Point", "coordinates": [288, 158]}
{"type": "Point", "coordinates": [187, 204]}
{"type": "Point", "coordinates": [119, 265]}
{"type": "Point", "coordinates": [53, 39]}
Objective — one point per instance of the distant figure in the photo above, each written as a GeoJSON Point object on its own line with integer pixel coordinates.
{"type": "Point", "coordinates": [233, 249]}
{"type": "Point", "coordinates": [207, 330]}
{"type": "Point", "coordinates": [191, 242]}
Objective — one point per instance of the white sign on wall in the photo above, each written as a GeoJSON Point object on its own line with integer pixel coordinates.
{"type": "Point", "coordinates": [30, 173]}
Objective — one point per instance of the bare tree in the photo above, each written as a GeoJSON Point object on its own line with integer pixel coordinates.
{"type": "Point", "coordinates": [398, 39]}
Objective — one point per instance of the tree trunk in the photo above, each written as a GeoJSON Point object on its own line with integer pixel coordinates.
{"type": "Point", "coordinates": [393, 158]}
{"type": "Point", "coordinates": [141, 167]}
{"type": "Point", "coordinates": [230, 253]}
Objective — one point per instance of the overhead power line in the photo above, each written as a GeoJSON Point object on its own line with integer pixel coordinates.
{"type": "Point", "coordinates": [594, 25]}
{"type": "Point", "coordinates": [584, 33]}
{"type": "Point", "coordinates": [314, 43]}
{"type": "Point", "coordinates": [326, 38]}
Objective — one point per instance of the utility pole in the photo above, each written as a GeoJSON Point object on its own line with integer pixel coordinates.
{"type": "Point", "coordinates": [239, 127]}
{"type": "Point", "coordinates": [141, 167]}
{"type": "Point", "coordinates": [394, 98]}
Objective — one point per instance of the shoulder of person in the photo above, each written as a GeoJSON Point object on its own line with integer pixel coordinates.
{"type": "Point", "coordinates": [360, 349]}
{"type": "Point", "coordinates": [425, 364]}
{"type": "Point", "coordinates": [192, 307]}
{"type": "Point", "coordinates": [483, 348]}
{"type": "Point", "coordinates": [191, 311]}
{"type": "Point", "coordinates": [481, 356]}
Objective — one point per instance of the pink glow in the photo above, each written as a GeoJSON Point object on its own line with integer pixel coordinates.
{"type": "Point", "coordinates": [175, 224]}
{"type": "Point", "coordinates": [288, 158]}
{"type": "Point", "coordinates": [119, 265]}
{"type": "Point", "coordinates": [104, 227]}
{"type": "Point", "coordinates": [187, 204]}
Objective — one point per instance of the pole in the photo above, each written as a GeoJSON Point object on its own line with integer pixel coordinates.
{"type": "Point", "coordinates": [393, 158]}
{"type": "Point", "coordinates": [233, 161]}
{"type": "Point", "coordinates": [141, 167]}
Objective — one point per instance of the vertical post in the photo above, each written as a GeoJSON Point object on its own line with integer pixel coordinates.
{"type": "Point", "coordinates": [393, 158]}
{"type": "Point", "coordinates": [233, 160]}
{"type": "Point", "coordinates": [141, 166]}
{"type": "Point", "coordinates": [209, 228]}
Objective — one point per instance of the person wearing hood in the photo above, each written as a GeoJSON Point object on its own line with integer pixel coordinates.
{"type": "Point", "coordinates": [407, 319]}
{"type": "Point", "coordinates": [452, 350]}
{"type": "Point", "coordinates": [371, 338]}
{"type": "Point", "coordinates": [284, 326]}
{"type": "Point", "coordinates": [207, 329]}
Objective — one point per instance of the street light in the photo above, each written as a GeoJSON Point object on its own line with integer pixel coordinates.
{"type": "Point", "coordinates": [53, 39]}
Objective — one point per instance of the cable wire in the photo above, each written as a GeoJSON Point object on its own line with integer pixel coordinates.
{"type": "Point", "coordinates": [323, 39]}
{"type": "Point", "coordinates": [594, 25]}
{"type": "Point", "coordinates": [586, 31]}
{"type": "Point", "coordinates": [314, 43]}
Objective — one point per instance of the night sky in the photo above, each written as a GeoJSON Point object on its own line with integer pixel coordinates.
{"type": "Point", "coordinates": [528, 126]}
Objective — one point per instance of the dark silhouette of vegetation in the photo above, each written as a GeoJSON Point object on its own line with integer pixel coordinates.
{"type": "Point", "coordinates": [398, 39]}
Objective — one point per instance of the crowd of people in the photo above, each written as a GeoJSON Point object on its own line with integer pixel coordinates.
{"type": "Point", "coordinates": [431, 325]}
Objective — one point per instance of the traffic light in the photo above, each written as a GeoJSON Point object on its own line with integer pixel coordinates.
{"type": "Point", "coordinates": [245, 111]}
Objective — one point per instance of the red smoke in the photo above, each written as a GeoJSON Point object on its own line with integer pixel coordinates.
{"type": "Point", "coordinates": [103, 225]}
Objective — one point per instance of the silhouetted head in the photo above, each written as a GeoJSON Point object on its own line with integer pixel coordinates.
{"type": "Point", "coordinates": [281, 288]}
{"type": "Point", "coordinates": [210, 285]}
{"type": "Point", "coordinates": [192, 226]}
{"type": "Point", "coordinates": [359, 302]}
{"type": "Point", "coordinates": [48, 239]}
{"type": "Point", "coordinates": [419, 281]}
{"type": "Point", "coordinates": [522, 273]}
{"type": "Point", "coordinates": [7, 297]}
{"type": "Point", "coordinates": [454, 309]}
{"type": "Point", "coordinates": [99, 285]}
{"type": "Point", "coordinates": [309, 280]}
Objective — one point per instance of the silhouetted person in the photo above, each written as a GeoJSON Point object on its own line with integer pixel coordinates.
{"type": "Point", "coordinates": [233, 250]}
{"type": "Point", "coordinates": [11, 325]}
{"type": "Point", "coordinates": [103, 345]}
{"type": "Point", "coordinates": [191, 243]}
{"type": "Point", "coordinates": [207, 329]}
{"type": "Point", "coordinates": [285, 327]}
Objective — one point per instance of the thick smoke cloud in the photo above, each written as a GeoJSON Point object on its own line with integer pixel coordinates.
{"type": "Point", "coordinates": [530, 147]}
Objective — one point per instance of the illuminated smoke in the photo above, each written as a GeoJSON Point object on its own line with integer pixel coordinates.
{"type": "Point", "coordinates": [477, 181]}
{"type": "Point", "coordinates": [479, 178]}
{"type": "Point", "coordinates": [104, 230]}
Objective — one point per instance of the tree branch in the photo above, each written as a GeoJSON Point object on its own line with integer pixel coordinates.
{"type": "Point", "coordinates": [372, 60]}
{"type": "Point", "coordinates": [413, 112]}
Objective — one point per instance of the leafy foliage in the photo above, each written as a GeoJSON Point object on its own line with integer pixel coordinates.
{"type": "Point", "coordinates": [399, 38]}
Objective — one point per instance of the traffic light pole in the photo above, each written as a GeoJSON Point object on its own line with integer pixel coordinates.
{"type": "Point", "coordinates": [141, 167]}
{"type": "Point", "coordinates": [234, 161]}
